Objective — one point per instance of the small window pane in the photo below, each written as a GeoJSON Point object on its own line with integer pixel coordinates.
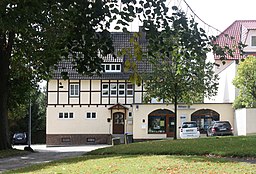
{"type": "Point", "coordinates": [129, 86]}
{"type": "Point", "coordinates": [107, 67]}
{"type": "Point", "coordinates": [113, 67]}
{"type": "Point", "coordinates": [65, 115]}
{"type": "Point", "coordinates": [113, 86]}
{"type": "Point", "coordinates": [121, 92]}
{"type": "Point", "coordinates": [129, 93]}
{"type": "Point", "coordinates": [113, 93]}
{"type": "Point", "coordinates": [71, 115]}
{"type": "Point", "coordinates": [60, 115]}
{"type": "Point", "coordinates": [88, 115]}
{"type": "Point", "coordinates": [121, 86]}
{"type": "Point", "coordinates": [118, 67]}
{"type": "Point", "coordinates": [253, 40]}
{"type": "Point", "coordinates": [104, 92]}
{"type": "Point", "coordinates": [93, 115]}
{"type": "Point", "coordinates": [105, 86]}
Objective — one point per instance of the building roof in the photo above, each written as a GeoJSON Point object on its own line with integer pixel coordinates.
{"type": "Point", "coordinates": [120, 40]}
{"type": "Point", "coordinates": [239, 30]}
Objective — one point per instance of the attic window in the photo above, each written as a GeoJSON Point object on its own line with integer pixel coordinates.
{"type": "Point", "coordinates": [111, 67]}
{"type": "Point", "coordinates": [253, 41]}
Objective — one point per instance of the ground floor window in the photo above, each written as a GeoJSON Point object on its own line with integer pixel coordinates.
{"type": "Point", "coordinates": [156, 124]}
{"type": "Point", "coordinates": [161, 121]}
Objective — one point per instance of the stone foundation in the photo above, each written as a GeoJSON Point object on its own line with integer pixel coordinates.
{"type": "Point", "coordinates": [77, 139]}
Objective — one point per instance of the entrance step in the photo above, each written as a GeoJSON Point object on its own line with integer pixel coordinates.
{"type": "Point", "coordinates": [120, 136]}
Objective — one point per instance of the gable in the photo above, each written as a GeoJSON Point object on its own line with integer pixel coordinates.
{"type": "Point", "coordinates": [240, 31]}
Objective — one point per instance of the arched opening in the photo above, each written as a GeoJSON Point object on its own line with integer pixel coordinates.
{"type": "Point", "coordinates": [204, 118]}
{"type": "Point", "coordinates": [161, 121]}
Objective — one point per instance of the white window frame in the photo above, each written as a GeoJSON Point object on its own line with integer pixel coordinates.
{"type": "Point", "coordinates": [129, 89]}
{"type": "Point", "coordinates": [105, 89]}
{"type": "Point", "coordinates": [91, 113]}
{"type": "Point", "coordinates": [68, 115]}
{"type": "Point", "coordinates": [253, 38]}
{"type": "Point", "coordinates": [113, 89]}
{"type": "Point", "coordinates": [112, 67]}
{"type": "Point", "coordinates": [74, 89]}
{"type": "Point", "coordinates": [121, 89]}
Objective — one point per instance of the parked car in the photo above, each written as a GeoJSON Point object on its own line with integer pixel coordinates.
{"type": "Point", "coordinates": [220, 128]}
{"type": "Point", "coordinates": [19, 138]}
{"type": "Point", "coordinates": [189, 130]}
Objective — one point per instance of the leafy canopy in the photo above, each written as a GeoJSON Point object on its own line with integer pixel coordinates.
{"type": "Point", "coordinates": [177, 55]}
{"type": "Point", "coordinates": [245, 81]}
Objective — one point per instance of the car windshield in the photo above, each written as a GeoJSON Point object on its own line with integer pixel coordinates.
{"type": "Point", "coordinates": [19, 135]}
{"type": "Point", "coordinates": [189, 125]}
{"type": "Point", "coordinates": [222, 125]}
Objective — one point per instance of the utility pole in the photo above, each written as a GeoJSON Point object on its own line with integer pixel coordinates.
{"type": "Point", "coordinates": [29, 128]}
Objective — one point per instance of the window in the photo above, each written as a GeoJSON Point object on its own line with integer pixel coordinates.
{"type": "Point", "coordinates": [111, 67]}
{"type": "Point", "coordinates": [118, 68]}
{"type": "Point", "coordinates": [60, 115]}
{"type": "Point", "coordinates": [121, 89]}
{"type": "Point", "coordinates": [107, 68]}
{"type": "Point", "coordinates": [156, 124]}
{"type": "Point", "coordinates": [113, 89]}
{"type": "Point", "coordinates": [91, 115]}
{"type": "Point", "coordinates": [129, 89]}
{"type": "Point", "coordinates": [66, 115]}
{"type": "Point", "coordinates": [74, 90]}
{"type": "Point", "coordinates": [104, 89]}
{"type": "Point", "coordinates": [253, 41]}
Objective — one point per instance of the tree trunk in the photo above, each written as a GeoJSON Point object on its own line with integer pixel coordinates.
{"type": "Point", "coordinates": [4, 131]}
{"type": "Point", "coordinates": [5, 54]}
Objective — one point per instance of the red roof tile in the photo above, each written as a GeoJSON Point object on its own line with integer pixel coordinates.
{"type": "Point", "coordinates": [238, 30]}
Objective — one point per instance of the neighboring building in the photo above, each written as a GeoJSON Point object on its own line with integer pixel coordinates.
{"type": "Point", "coordinates": [243, 31]}
{"type": "Point", "coordinates": [93, 109]}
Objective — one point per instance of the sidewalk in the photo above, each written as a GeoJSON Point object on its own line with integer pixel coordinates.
{"type": "Point", "coordinates": [44, 154]}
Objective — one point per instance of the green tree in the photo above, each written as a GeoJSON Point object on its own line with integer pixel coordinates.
{"type": "Point", "coordinates": [177, 55]}
{"type": "Point", "coordinates": [245, 82]}
{"type": "Point", "coordinates": [37, 34]}
{"type": "Point", "coordinates": [18, 118]}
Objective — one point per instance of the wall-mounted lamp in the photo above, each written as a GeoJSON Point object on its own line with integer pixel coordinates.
{"type": "Point", "coordinates": [108, 120]}
{"type": "Point", "coordinates": [60, 85]}
{"type": "Point", "coordinates": [143, 120]}
{"type": "Point", "coordinates": [137, 107]}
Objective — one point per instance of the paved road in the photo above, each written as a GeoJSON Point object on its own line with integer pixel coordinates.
{"type": "Point", "coordinates": [44, 154]}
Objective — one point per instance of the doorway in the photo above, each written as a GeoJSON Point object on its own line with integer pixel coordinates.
{"type": "Point", "coordinates": [118, 123]}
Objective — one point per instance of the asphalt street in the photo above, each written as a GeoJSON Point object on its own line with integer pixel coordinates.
{"type": "Point", "coordinates": [44, 154]}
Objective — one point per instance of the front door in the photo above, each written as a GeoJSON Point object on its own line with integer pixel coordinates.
{"type": "Point", "coordinates": [118, 123]}
{"type": "Point", "coordinates": [170, 120]}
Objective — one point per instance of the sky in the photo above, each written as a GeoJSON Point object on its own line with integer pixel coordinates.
{"type": "Point", "coordinates": [222, 13]}
{"type": "Point", "coordinates": [218, 13]}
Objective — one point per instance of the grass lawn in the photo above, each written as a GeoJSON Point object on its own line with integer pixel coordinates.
{"type": "Point", "coordinates": [166, 156]}
{"type": "Point", "coordinates": [220, 146]}
{"type": "Point", "coordinates": [140, 164]}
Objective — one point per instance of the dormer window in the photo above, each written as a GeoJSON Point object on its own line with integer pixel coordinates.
{"type": "Point", "coordinates": [253, 41]}
{"type": "Point", "coordinates": [111, 67]}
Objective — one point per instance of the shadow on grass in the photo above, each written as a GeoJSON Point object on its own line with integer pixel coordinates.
{"type": "Point", "coordinates": [188, 159]}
